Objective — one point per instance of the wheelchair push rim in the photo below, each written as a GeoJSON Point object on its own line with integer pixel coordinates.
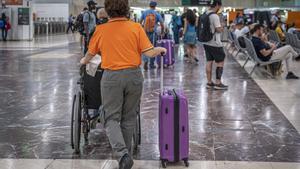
{"type": "Point", "coordinates": [72, 121]}
{"type": "Point", "coordinates": [77, 122]}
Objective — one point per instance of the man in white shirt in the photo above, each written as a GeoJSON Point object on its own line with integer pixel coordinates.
{"type": "Point", "coordinates": [241, 30]}
{"type": "Point", "coordinates": [214, 49]}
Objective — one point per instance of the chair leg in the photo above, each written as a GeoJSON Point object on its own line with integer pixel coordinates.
{"type": "Point", "coordinates": [233, 49]}
{"type": "Point", "coordinates": [237, 53]}
{"type": "Point", "coordinates": [229, 45]}
{"type": "Point", "coordinates": [253, 70]}
{"type": "Point", "coordinates": [247, 60]}
{"type": "Point", "coordinates": [226, 46]}
{"type": "Point", "coordinates": [269, 74]}
{"type": "Point", "coordinates": [226, 52]}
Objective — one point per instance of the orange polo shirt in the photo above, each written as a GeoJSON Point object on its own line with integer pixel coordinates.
{"type": "Point", "coordinates": [120, 43]}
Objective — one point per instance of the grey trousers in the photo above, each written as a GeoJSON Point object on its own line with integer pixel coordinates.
{"type": "Point", "coordinates": [121, 93]}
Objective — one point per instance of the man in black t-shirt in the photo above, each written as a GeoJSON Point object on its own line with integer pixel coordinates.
{"type": "Point", "coordinates": [267, 51]}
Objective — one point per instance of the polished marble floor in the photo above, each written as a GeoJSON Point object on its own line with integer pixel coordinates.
{"type": "Point", "coordinates": [285, 94]}
{"type": "Point", "coordinates": [241, 124]}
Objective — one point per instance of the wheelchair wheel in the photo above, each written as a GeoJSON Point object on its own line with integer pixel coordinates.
{"type": "Point", "coordinates": [77, 122]}
{"type": "Point", "coordinates": [72, 121]}
{"type": "Point", "coordinates": [85, 126]}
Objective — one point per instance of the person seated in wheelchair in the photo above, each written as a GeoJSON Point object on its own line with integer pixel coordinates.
{"type": "Point", "coordinates": [91, 84]}
{"type": "Point", "coordinates": [121, 43]}
{"type": "Point", "coordinates": [102, 16]}
{"type": "Point", "coordinates": [267, 51]}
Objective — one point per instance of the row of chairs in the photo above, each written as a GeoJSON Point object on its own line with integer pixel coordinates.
{"type": "Point", "coordinates": [290, 39]}
{"type": "Point", "coordinates": [249, 51]}
{"type": "Point", "coordinates": [274, 37]}
{"type": "Point", "coordinates": [293, 40]}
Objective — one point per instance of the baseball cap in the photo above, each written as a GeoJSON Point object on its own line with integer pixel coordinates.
{"type": "Point", "coordinates": [91, 2]}
{"type": "Point", "coordinates": [153, 3]}
{"type": "Point", "coordinates": [215, 2]}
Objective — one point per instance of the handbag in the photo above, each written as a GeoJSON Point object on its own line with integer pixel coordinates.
{"type": "Point", "coordinates": [7, 26]}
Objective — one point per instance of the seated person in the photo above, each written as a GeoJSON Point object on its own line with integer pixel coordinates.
{"type": "Point", "coordinates": [293, 30]}
{"type": "Point", "coordinates": [102, 16]}
{"type": "Point", "coordinates": [279, 31]}
{"type": "Point", "coordinates": [231, 26]}
{"type": "Point", "coordinates": [268, 51]}
{"type": "Point", "coordinates": [241, 30]}
{"type": "Point", "coordinates": [232, 30]}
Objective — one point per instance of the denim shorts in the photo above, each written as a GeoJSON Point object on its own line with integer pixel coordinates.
{"type": "Point", "coordinates": [190, 38]}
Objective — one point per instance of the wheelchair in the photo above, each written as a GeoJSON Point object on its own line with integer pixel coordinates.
{"type": "Point", "coordinates": [88, 99]}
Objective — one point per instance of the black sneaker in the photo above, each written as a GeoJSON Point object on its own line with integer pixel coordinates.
{"type": "Point", "coordinates": [152, 67]}
{"type": "Point", "coordinates": [185, 57]}
{"type": "Point", "coordinates": [220, 87]}
{"type": "Point", "coordinates": [126, 162]}
{"type": "Point", "coordinates": [210, 85]}
{"type": "Point", "coordinates": [146, 66]}
{"type": "Point", "coordinates": [291, 75]}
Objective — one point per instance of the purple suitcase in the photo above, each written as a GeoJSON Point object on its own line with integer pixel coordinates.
{"type": "Point", "coordinates": [169, 59]}
{"type": "Point", "coordinates": [173, 126]}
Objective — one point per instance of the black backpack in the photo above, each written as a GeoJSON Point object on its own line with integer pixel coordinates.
{"type": "Point", "coordinates": [79, 22]}
{"type": "Point", "coordinates": [205, 33]}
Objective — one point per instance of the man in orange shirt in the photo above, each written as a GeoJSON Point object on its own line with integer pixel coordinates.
{"type": "Point", "coordinates": [121, 43]}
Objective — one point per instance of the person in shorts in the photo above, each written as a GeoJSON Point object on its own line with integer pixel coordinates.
{"type": "Point", "coordinates": [190, 36]}
{"type": "Point", "coordinates": [214, 49]}
{"type": "Point", "coordinates": [151, 28]}
{"type": "Point", "coordinates": [121, 43]}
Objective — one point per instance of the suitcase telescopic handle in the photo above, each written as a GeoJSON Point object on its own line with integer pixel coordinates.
{"type": "Point", "coordinates": [162, 73]}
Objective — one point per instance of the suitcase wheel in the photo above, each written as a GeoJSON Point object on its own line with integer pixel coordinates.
{"type": "Point", "coordinates": [164, 163]}
{"type": "Point", "coordinates": [186, 163]}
